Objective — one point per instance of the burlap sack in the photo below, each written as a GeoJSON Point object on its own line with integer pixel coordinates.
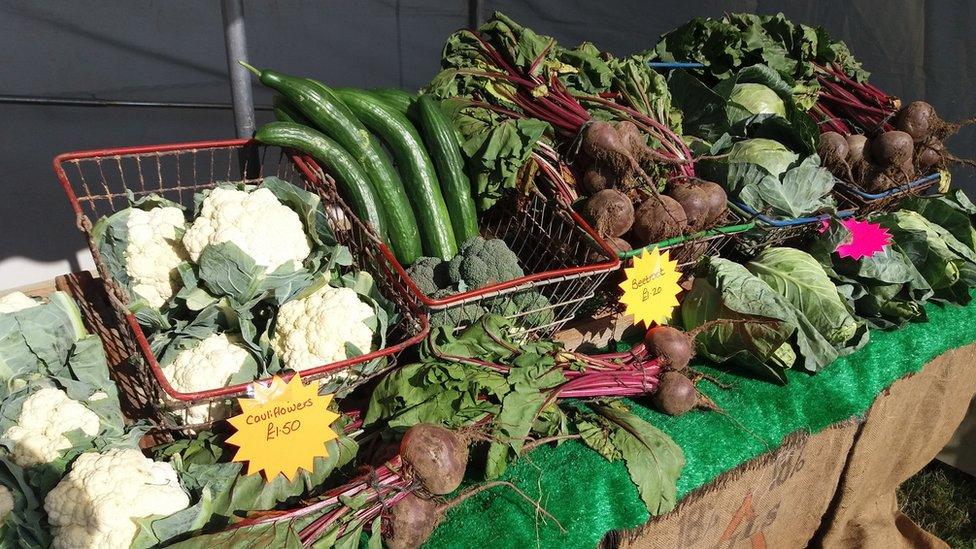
{"type": "Point", "coordinates": [776, 500]}
{"type": "Point", "coordinates": [904, 429]}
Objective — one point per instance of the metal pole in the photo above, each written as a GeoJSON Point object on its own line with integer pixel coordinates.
{"type": "Point", "coordinates": [474, 14]}
{"type": "Point", "coordinates": [240, 77]}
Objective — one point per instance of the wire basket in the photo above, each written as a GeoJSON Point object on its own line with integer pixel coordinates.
{"type": "Point", "coordinates": [563, 258]}
{"type": "Point", "coordinates": [99, 183]}
{"type": "Point", "coordinates": [889, 200]}
{"type": "Point", "coordinates": [770, 231]}
{"type": "Point", "coordinates": [688, 250]}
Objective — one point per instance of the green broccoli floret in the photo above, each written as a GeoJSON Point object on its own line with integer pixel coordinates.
{"type": "Point", "coordinates": [481, 263]}
{"type": "Point", "coordinates": [429, 274]}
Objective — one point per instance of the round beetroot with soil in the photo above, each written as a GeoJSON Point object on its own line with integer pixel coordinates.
{"type": "Point", "coordinates": [438, 456]}
{"type": "Point", "coordinates": [610, 212]}
{"type": "Point", "coordinates": [675, 395]}
{"type": "Point", "coordinates": [675, 347]}
{"type": "Point", "coordinates": [892, 148]}
{"type": "Point", "coordinates": [412, 520]}
{"type": "Point", "coordinates": [659, 218]}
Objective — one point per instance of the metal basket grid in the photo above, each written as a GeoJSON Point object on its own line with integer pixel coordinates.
{"type": "Point", "coordinates": [99, 182]}
{"type": "Point", "coordinates": [769, 231]}
{"type": "Point", "coordinates": [688, 250]}
{"type": "Point", "coordinates": [888, 200]}
{"type": "Point", "coordinates": [563, 258]}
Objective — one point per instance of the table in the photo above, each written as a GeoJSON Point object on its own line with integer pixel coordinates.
{"type": "Point", "coordinates": [816, 462]}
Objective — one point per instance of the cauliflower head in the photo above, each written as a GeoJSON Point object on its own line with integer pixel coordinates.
{"type": "Point", "coordinates": [314, 330]}
{"type": "Point", "coordinates": [153, 252]}
{"type": "Point", "coordinates": [6, 503]}
{"type": "Point", "coordinates": [266, 230]}
{"type": "Point", "coordinates": [45, 417]}
{"type": "Point", "coordinates": [208, 365]}
{"type": "Point", "coordinates": [16, 301]}
{"type": "Point", "coordinates": [94, 505]}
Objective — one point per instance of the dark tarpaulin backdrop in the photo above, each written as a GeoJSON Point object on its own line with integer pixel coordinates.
{"type": "Point", "coordinates": [174, 51]}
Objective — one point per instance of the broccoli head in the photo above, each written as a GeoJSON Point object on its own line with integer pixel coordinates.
{"type": "Point", "coordinates": [481, 263]}
{"type": "Point", "coordinates": [429, 274]}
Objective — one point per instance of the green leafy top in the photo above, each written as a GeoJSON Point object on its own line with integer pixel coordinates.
{"type": "Point", "coordinates": [481, 375]}
{"type": "Point", "coordinates": [741, 40]}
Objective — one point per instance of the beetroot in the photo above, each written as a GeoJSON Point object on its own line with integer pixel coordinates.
{"type": "Point", "coordinates": [892, 148]}
{"type": "Point", "coordinates": [619, 244]}
{"type": "Point", "coordinates": [920, 120]}
{"type": "Point", "coordinates": [856, 147]}
{"type": "Point", "coordinates": [676, 347]}
{"type": "Point", "coordinates": [604, 144]}
{"type": "Point", "coordinates": [695, 201]}
{"type": "Point", "coordinates": [610, 212]}
{"type": "Point", "coordinates": [833, 148]}
{"type": "Point", "coordinates": [659, 218]}
{"type": "Point", "coordinates": [412, 520]}
{"type": "Point", "coordinates": [438, 456]}
{"type": "Point", "coordinates": [718, 202]}
{"type": "Point", "coordinates": [675, 395]}
{"type": "Point", "coordinates": [595, 180]}
{"type": "Point", "coordinates": [929, 154]}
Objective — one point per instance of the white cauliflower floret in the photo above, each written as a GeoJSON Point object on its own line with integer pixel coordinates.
{"type": "Point", "coordinates": [45, 417]}
{"type": "Point", "coordinates": [208, 365]}
{"type": "Point", "coordinates": [269, 232]}
{"type": "Point", "coordinates": [153, 252]}
{"type": "Point", "coordinates": [16, 301]}
{"type": "Point", "coordinates": [95, 504]}
{"type": "Point", "coordinates": [6, 503]}
{"type": "Point", "coordinates": [314, 331]}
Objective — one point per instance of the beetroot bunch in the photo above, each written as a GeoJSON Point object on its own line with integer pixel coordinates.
{"type": "Point", "coordinates": [913, 148]}
{"type": "Point", "coordinates": [625, 205]}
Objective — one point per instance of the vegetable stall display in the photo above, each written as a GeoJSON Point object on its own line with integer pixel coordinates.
{"type": "Point", "coordinates": [411, 257]}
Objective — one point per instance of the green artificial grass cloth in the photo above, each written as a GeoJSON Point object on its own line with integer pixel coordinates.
{"type": "Point", "coordinates": [590, 496]}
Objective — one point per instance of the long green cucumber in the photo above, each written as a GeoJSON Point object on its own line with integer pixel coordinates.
{"type": "Point", "coordinates": [333, 118]}
{"type": "Point", "coordinates": [416, 169]}
{"type": "Point", "coordinates": [400, 100]}
{"type": "Point", "coordinates": [354, 185]}
{"type": "Point", "coordinates": [442, 143]}
{"type": "Point", "coordinates": [284, 111]}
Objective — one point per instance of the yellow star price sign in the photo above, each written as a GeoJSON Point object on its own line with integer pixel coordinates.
{"type": "Point", "coordinates": [283, 428]}
{"type": "Point", "coordinates": [651, 288]}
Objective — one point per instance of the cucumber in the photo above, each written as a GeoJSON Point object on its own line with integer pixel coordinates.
{"type": "Point", "coordinates": [354, 185]}
{"type": "Point", "coordinates": [286, 112]}
{"type": "Point", "coordinates": [445, 150]}
{"type": "Point", "coordinates": [329, 115]}
{"type": "Point", "coordinates": [416, 169]}
{"type": "Point", "coordinates": [398, 99]}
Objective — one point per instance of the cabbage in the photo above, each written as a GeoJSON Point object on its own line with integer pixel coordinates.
{"type": "Point", "coordinates": [754, 99]}
{"type": "Point", "coordinates": [782, 336]}
{"type": "Point", "coordinates": [770, 155]}
{"type": "Point", "coordinates": [797, 276]}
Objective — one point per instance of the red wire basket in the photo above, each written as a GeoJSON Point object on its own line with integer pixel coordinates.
{"type": "Point", "coordinates": [99, 183]}
{"type": "Point", "coordinates": [563, 258]}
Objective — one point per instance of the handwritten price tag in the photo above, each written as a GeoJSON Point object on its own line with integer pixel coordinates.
{"type": "Point", "coordinates": [283, 428]}
{"type": "Point", "coordinates": [651, 288]}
